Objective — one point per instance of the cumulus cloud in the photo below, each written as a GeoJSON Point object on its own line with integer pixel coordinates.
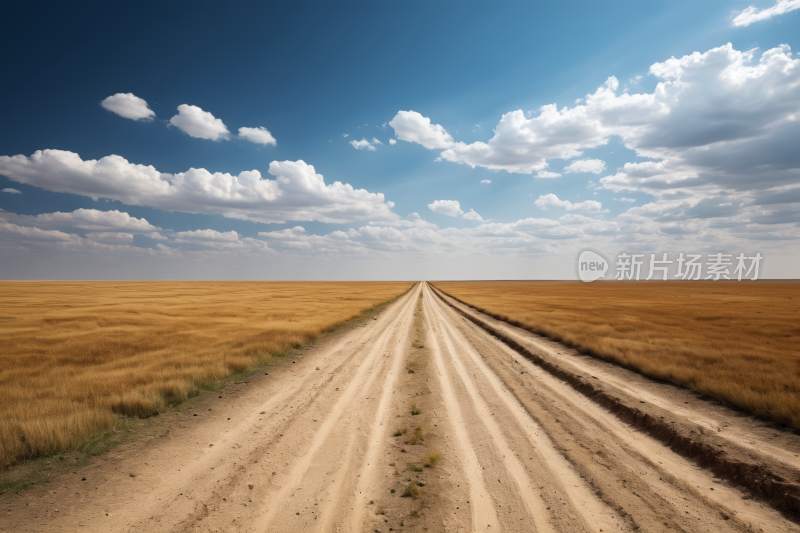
{"type": "Point", "coordinates": [199, 124]}
{"type": "Point", "coordinates": [129, 106]}
{"type": "Point", "coordinates": [297, 192]}
{"type": "Point", "coordinates": [595, 166]}
{"type": "Point", "coordinates": [33, 239]}
{"type": "Point", "coordinates": [551, 200]}
{"type": "Point", "coordinates": [85, 219]}
{"type": "Point", "coordinates": [473, 216]}
{"type": "Point", "coordinates": [547, 174]}
{"type": "Point", "coordinates": [717, 120]}
{"type": "Point", "coordinates": [260, 135]}
{"type": "Point", "coordinates": [362, 144]}
{"type": "Point", "coordinates": [708, 107]}
{"type": "Point", "coordinates": [229, 241]}
{"type": "Point", "coordinates": [450, 208]}
{"type": "Point", "coordinates": [392, 142]}
{"type": "Point", "coordinates": [345, 135]}
{"type": "Point", "coordinates": [753, 14]}
{"type": "Point", "coordinates": [722, 123]}
{"type": "Point", "coordinates": [486, 181]}
{"type": "Point", "coordinates": [11, 191]}
{"type": "Point", "coordinates": [413, 127]}
{"type": "Point", "coordinates": [629, 200]}
{"type": "Point", "coordinates": [376, 141]}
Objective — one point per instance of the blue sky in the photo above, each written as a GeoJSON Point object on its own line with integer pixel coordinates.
{"type": "Point", "coordinates": [459, 87]}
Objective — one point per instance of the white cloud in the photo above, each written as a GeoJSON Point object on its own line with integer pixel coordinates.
{"type": "Point", "coordinates": [450, 208]}
{"type": "Point", "coordinates": [258, 135]}
{"type": "Point", "coordinates": [209, 238]}
{"type": "Point", "coordinates": [129, 106]}
{"type": "Point", "coordinates": [376, 141]}
{"type": "Point", "coordinates": [363, 143]}
{"type": "Point", "coordinates": [111, 237]}
{"type": "Point", "coordinates": [206, 235]}
{"type": "Point", "coordinates": [486, 181]}
{"type": "Point", "coordinates": [702, 106]}
{"type": "Point", "coordinates": [392, 142]}
{"type": "Point", "coordinates": [717, 134]}
{"type": "Point", "coordinates": [11, 191]}
{"type": "Point", "coordinates": [412, 127]}
{"type": "Point", "coordinates": [345, 135]}
{"type": "Point", "coordinates": [296, 193]}
{"type": "Point", "coordinates": [199, 124]}
{"type": "Point", "coordinates": [629, 200]}
{"type": "Point", "coordinates": [551, 200]}
{"type": "Point", "coordinates": [595, 166]}
{"type": "Point", "coordinates": [85, 219]}
{"type": "Point", "coordinates": [753, 14]}
{"type": "Point", "coordinates": [472, 215]}
{"type": "Point", "coordinates": [36, 234]}
{"type": "Point", "coordinates": [547, 174]}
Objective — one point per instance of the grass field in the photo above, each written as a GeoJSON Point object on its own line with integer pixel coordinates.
{"type": "Point", "coordinates": [735, 341]}
{"type": "Point", "coordinates": [75, 355]}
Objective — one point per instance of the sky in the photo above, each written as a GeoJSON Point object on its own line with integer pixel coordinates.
{"type": "Point", "coordinates": [376, 140]}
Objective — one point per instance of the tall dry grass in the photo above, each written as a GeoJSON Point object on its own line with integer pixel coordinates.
{"type": "Point", "coordinates": [735, 341]}
{"type": "Point", "coordinates": [75, 355]}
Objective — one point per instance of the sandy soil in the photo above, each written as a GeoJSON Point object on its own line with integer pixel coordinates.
{"type": "Point", "coordinates": [310, 447]}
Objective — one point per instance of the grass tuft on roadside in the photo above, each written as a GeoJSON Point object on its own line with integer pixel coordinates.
{"type": "Point", "coordinates": [411, 491]}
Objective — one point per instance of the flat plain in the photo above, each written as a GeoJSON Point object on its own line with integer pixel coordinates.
{"type": "Point", "coordinates": [734, 341]}
{"type": "Point", "coordinates": [417, 417]}
{"type": "Point", "coordinates": [75, 355]}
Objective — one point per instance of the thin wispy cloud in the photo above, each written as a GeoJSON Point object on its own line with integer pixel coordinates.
{"type": "Point", "coordinates": [363, 144]}
{"type": "Point", "coordinates": [752, 14]}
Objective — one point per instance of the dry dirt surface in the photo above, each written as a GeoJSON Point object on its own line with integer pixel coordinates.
{"type": "Point", "coordinates": [311, 446]}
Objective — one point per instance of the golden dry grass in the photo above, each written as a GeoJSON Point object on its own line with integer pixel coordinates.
{"type": "Point", "coordinates": [75, 355]}
{"type": "Point", "coordinates": [735, 341]}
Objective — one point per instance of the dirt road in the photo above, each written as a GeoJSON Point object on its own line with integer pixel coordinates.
{"type": "Point", "coordinates": [312, 445]}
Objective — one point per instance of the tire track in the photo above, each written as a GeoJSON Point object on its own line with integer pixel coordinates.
{"type": "Point", "coordinates": [659, 481]}
{"type": "Point", "coordinates": [367, 479]}
{"type": "Point", "coordinates": [483, 511]}
{"type": "Point", "coordinates": [593, 512]}
{"type": "Point", "coordinates": [362, 380]}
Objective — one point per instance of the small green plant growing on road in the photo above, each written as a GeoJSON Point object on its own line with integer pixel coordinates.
{"type": "Point", "coordinates": [131, 474]}
{"type": "Point", "coordinates": [432, 459]}
{"type": "Point", "coordinates": [400, 432]}
{"type": "Point", "coordinates": [392, 491]}
{"type": "Point", "coordinates": [417, 468]}
{"type": "Point", "coordinates": [412, 491]}
{"type": "Point", "coordinates": [417, 436]}
{"type": "Point", "coordinates": [414, 409]}
{"type": "Point", "coordinates": [380, 510]}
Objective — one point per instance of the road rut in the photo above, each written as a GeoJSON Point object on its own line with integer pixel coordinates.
{"type": "Point", "coordinates": [319, 445]}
